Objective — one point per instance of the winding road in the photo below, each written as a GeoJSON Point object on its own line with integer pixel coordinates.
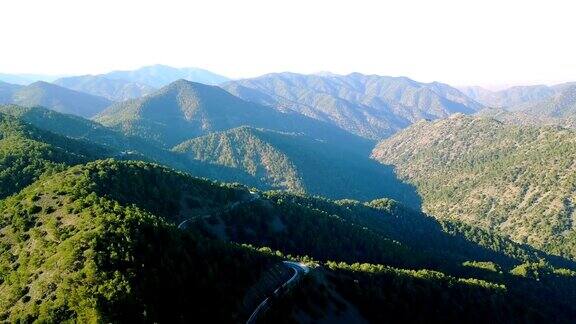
{"type": "Point", "coordinates": [254, 195]}
{"type": "Point", "coordinates": [299, 269]}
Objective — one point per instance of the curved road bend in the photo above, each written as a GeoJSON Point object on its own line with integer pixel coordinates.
{"type": "Point", "coordinates": [253, 196]}
{"type": "Point", "coordinates": [299, 270]}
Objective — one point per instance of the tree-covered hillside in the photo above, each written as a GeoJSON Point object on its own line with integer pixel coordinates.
{"type": "Point", "coordinates": [298, 163]}
{"type": "Point", "coordinates": [243, 149]}
{"type": "Point", "coordinates": [514, 180]}
{"type": "Point", "coordinates": [27, 152]}
{"type": "Point", "coordinates": [126, 147]}
{"type": "Point", "coordinates": [71, 250]}
{"type": "Point", "coordinates": [259, 158]}
{"type": "Point", "coordinates": [101, 243]}
{"type": "Point", "coordinates": [66, 125]}
{"type": "Point", "coordinates": [59, 99]}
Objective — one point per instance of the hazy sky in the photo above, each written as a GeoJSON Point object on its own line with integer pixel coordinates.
{"type": "Point", "coordinates": [460, 42]}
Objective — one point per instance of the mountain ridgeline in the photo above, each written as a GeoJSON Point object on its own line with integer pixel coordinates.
{"type": "Point", "coordinates": [515, 96]}
{"type": "Point", "coordinates": [557, 109]}
{"type": "Point", "coordinates": [184, 109]}
{"type": "Point", "coordinates": [560, 105]}
{"type": "Point", "coordinates": [257, 157]}
{"type": "Point", "coordinates": [510, 97]}
{"type": "Point", "coordinates": [280, 150]}
{"type": "Point", "coordinates": [158, 76]}
{"type": "Point", "coordinates": [111, 89]}
{"type": "Point", "coordinates": [54, 97]}
{"type": "Point", "coordinates": [366, 105]}
{"type": "Point", "coordinates": [299, 163]}
{"type": "Point", "coordinates": [27, 152]}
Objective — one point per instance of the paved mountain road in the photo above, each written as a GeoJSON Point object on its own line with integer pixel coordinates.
{"type": "Point", "coordinates": [253, 197]}
{"type": "Point", "coordinates": [299, 270]}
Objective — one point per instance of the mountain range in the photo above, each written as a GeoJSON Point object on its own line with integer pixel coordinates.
{"type": "Point", "coordinates": [115, 85]}
{"type": "Point", "coordinates": [236, 140]}
{"type": "Point", "coordinates": [261, 158]}
{"type": "Point", "coordinates": [54, 97]}
{"type": "Point", "coordinates": [153, 75]}
{"type": "Point", "coordinates": [296, 162]}
{"type": "Point", "coordinates": [366, 105]}
{"type": "Point", "coordinates": [560, 105]}
{"type": "Point", "coordinates": [558, 109]}
{"type": "Point", "coordinates": [111, 89]}
{"type": "Point", "coordinates": [125, 85]}
{"type": "Point", "coordinates": [185, 109]}
{"type": "Point", "coordinates": [26, 79]}
{"type": "Point", "coordinates": [285, 198]}
{"type": "Point", "coordinates": [158, 75]}
{"type": "Point", "coordinates": [513, 96]}
{"type": "Point", "coordinates": [7, 90]}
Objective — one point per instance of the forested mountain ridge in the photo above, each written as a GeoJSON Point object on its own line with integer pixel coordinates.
{"type": "Point", "coordinates": [516, 96]}
{"type": "Point", "coordinates": [367, 105]}
{"type": "Point", "coordinates": [286, 161]}
{"type": "Point", "coordinates": [243, 148]}
{"type": "Point", "coordinates": [70, 250]}
{"type": "Point", "coordinates": [514, 180]}
{"type": "Point", "coordinates": [509, 97]}
{"type": "Point", "coordinates": [184, 109]}
{"type": "Point", "coordinates": [558, 109]}
{"type": "Point", "coordinates": [7, 90]}
{"type": "Point", "coordinates": [299, 163]}
{"type": "Point", "coordinates": [54, 97]}
{"type": "Point", "coordinates": [111, 89]}
{"type": "Point", "coordinates": [99, 242]}
{"type": "Point", "coordinates": [560, 105]}
{"type": "Point", "coordinates": [93, 134]}
{"type": "Point", "coordinates": [27, 152]}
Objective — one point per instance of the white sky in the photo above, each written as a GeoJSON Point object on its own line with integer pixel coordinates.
{"type": "Point", "coordinates": [483, 42]}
